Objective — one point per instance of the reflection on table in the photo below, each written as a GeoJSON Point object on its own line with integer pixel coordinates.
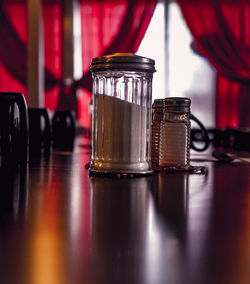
{"type": "Point", "coordinates": [58, 225]}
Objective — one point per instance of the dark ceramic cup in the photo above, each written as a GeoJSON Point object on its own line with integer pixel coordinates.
{"type": "Point", "coordinates": [39, 131]}
{"type": "Point", "coordinates": [63, 129]}
{"type": "Point", "coordinates": [14, 128]}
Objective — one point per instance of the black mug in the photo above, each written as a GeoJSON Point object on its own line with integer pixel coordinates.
{"type": "Point", "coordinates": [14, 128]}
{"type": "Point", "coordinates": [63, 129]}
{"type": "Point", "coordinates": [39, 130]}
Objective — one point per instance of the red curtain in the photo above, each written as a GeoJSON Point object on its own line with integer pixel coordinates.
{"type": "Point", "coordinates": [113, 26]}
{"type": "Point", "coordinates": [222, 34]}
{"type": "Point", "coordinates": [14, 37]}
{"type": "Point", "coordinates": [13, 49]}
{"type": "Point", "coordinates": [53, 51]}
{"type": "Point", "coordinates": [108, 26]}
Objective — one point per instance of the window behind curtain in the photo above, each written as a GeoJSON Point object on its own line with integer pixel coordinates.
{"type": "Point", "coordinates": [153, 45]}
{"type": "Point", "coordinates": [189, 74]}
{"type": "Point", "coordinates": [180, 72]}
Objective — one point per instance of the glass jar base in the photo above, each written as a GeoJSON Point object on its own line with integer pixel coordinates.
{"type": "Point", "coordinates": [119, 174]}
{"type": "Point", "coordinates": [176, 169]}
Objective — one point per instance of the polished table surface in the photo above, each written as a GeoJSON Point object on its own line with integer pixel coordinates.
{"type": "Point", "coordinates": [58, 225]}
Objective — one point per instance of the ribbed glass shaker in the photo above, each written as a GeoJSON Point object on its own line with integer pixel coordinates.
{"type": "Point", "coordinates": [122, 114]}
{"type": "Point", "coordinates": [157, 117]}
{"type": "Point", "coordinates": [175, 133]}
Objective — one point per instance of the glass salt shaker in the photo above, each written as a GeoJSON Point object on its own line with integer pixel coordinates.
{"type": "Point", "coordinates": [175, 133]}
{"type": "Point", "coordinates": [158, 106]}
{"type": "Point", "coordinates": [122, 114]}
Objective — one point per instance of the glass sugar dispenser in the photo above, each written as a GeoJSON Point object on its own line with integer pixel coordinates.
{"type": "Point", "coordinates": [122, 115]}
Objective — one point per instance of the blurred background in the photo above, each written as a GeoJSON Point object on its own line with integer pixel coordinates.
{"type": "Point", "coordinates": [47, 46]}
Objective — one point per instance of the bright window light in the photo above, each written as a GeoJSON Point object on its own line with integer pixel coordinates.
{"type": "Point", "coordinates": [180, 72]}
{"type": "Point", "coordinates": [153, 46]}
{"type": "Point", "coordinates": [190, 75]}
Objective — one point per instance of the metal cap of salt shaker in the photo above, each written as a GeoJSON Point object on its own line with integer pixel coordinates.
{"type": "Point", "coordinates": [178, 103]}
{"type": "Point", "coordinates": [123, 61]}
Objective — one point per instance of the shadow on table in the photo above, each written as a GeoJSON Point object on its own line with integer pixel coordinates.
{"type": "Point", "coordinates": [170, 192]}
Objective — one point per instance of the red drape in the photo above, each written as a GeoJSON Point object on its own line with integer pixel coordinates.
{"type": "Point", "coordinates": [13, 66]}
{"type": "Point", "coordinates": [53, 50]}
{"type": "Point", "coordinates": [222, 34]}
{"type": "Point", "coordinates": [13, 49]}
{"type": "Point", "coordinates": [108, 26]}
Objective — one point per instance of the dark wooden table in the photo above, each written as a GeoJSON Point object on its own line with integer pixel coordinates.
{"type": "Point", "coordinates": [58, 225]}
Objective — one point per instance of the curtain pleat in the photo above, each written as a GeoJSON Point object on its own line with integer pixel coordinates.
{"type": "Point", "coordinates": [221, 32]}
{"type": "Point", "coordinates": [107, 27]}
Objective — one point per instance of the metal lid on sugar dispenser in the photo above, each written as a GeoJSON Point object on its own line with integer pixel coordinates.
{"type": "Point", "coordinates": [123, 62]}
{"type": "Point", "coordinates": [178, 103]}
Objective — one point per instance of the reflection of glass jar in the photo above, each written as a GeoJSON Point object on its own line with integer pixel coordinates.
{"type": "Point", "coordinates": [156, 130]}
{"type": "Point", "coordinates": [175, 133]}
{"type": "Point", "coordinates": [121, 120]}
{"type": "Point", "coordinates": [120, 221]}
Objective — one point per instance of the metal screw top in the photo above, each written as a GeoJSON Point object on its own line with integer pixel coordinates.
{"type": "Point", "coordinates": [177, 103]}
{"type": "Point", "coordinates": [123, 62]}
